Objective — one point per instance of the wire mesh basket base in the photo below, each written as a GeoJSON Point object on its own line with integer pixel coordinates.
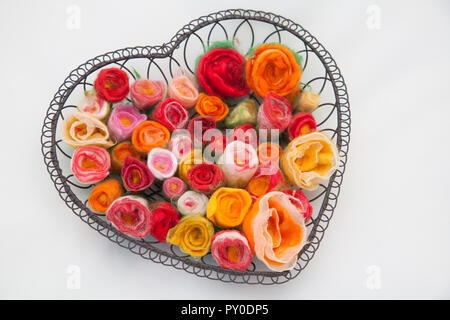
{"type": "Point", "coordinates": [247, 28]}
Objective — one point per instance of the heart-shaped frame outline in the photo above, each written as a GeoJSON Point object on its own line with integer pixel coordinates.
{"type": "Point", "coordinates": [146, 250]}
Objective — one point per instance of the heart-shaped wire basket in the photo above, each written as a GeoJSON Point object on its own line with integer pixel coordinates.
{"type": "Point", "coordinates": [246, 28]}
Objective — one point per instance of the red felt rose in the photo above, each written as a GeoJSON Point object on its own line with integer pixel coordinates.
{"type": "Point", "coordinates": [221, 73]}
{"type": "Point", "coordinates": [112, 84]}
{"type": "Point", "coordinates": [172, 114]}
{"type": "Point", "coordinates": [206, 177]}
{"type": "Point", "coordinates": [202, 123]}
{"type": "Point", "coordinates": [275, 112]}
{"type": "Point", "coordinates": [302, 123]}
{"type": "Point", "coordinates": [301, 202]}
{"type": "Point", "coordinates": [136, 175]}
{"type": "Point", "coordinates": [245, 133]}
{"type": "Point", "coordinates": [163, 217]}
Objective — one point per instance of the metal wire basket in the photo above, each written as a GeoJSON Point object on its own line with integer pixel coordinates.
{"type": "Point", "coordinates": [248, 28]}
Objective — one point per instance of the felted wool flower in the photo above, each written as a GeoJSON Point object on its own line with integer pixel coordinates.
{"type": "Point", "coordinates": [81, 129]}
{"type": "Point", "coordinates": [187, 162]}
{"type": "Point", "coordinates": [239, 163]}
{"type": "Point", "coordinates": [227, 207]}
{"type": "Point", "coordinates": [206, 177]}
{"type": "Point", "coordinates": [148, 135]}
{"type": "Point", "coordinates": [244, 112]}
{"type": "Point", "coordinates": [272, 68]}
{"type": "Point", "coordinates": [301, 202]}
{"type": "Point", "coordinates": [192, 203]}
{"type": "Point", "coordinates": [104, 194]}
{"type": "Point", "coordinates": [192, 234]}
{"type": "Point", "coordinates": [231, 250]}
{"type": "Point", "coordinates": [221, 72]}
{"type": "Point", "coordinates": [123, 120]}
{"type": "Point", "coordinates": [180, 144]}
{"type": "Point", "coordinates": [120, 152]}
{"type": "Point", "coordinates": [183, 88]}
{"type": "Point", "coordinates": [266, 179]}
{"type": "Point", "coordinates": [306, 101]}
{"type": "Point", "coordinates": [130, 215]}
{"type": "Point", "coordinates": [162, 163]}
{"type": "Point", "coordinates": [90, 164]}
{"type": "Point", "coordinates": [173, 187]}
{"type": "Point", "coordinates": [309, 159]}
{"type": "Point", "coordinates": [211, 106]}
{"type": "Point", "coordinates": [269, 153]}
{"type": "Point", "coordinates": [94, 105]}
{"type": "Point", "coordinates": [198, 125]}
{"type": "Point", "coordinates": [163, 217]}
{"type": "Point", "coordinates": [245, 133]}
{"type": "Point", "coordinates": [302, 123]}
{"type": "Point", "coordinates": [275, 231]}
{"type": "Point", "coordinates": [112, 84]}
{"type": "Point", "coordinates": [275, 112]}
{"type": "Point", "coordinates": [172, 114]}
{"type": "Point", "coordinates": [135, 175]}
{"type": "Point", "coordinates": [146, 93]}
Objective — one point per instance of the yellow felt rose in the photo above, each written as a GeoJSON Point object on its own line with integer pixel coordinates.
{"type": "Point", "coordinates": [187, 162]}
{"type": "Point", "coordinates": [228, 207]}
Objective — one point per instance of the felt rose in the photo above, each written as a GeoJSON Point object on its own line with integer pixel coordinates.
{"type": "Point", "coordinates": [90, 164]}
{"type": "Point", "coordinates": [275, 231]}
{"type": "Point", "coordinates": [163, 217]}
{"type": "Point", "coordinates": [188, 161]}
{"type": "Point", "coordinates": [198, 125]}
{"type": "Point", "coordinates": [300, 201]}
{"type": "Point", "coordinates": [112, 84]}
{"type": "Point", "coordinates": [306, 101]}
{"type": "Point", "coordinates": [162, 163]}
{"type": "Point", "coordinates": [146, 93]}
{"type": "Point", "coordinates": [309, 159]}
{"type": "Point", "coordinates": [173, 188]}
{"type": "Point", "coordinates": [269, 153]}
{"type": "Point", "coordinates": [245, 112]}
{"type": "Point", "coordinates": [272, 68]}
{"type": "Point", "coordinates": [104, 194]}
{"type": "Point", "coordinates": [94, 105]}
{"type": "Point", "coordinates": [221, 72]}
{"type": "Point", "coordinates": [206, 177]}
{"type": "Point", "coordinates": [266, 179]}
{"type": "Point", "coordinates": [130, 215]}
{"type": "Point", "coordinates": [231, 250]}
{"type": "Point", "coordinates": [123, 120]}
{"type": "Point", "coordinates": [274, 113]}
{"type": "Point", "coordinates": [180, 144]}
{"type": "Point", "coordinates": [120, 152]}
{"type": "Point", "coordinates": [211, 106]}
{"type": "Point", "coordinates": [148, 135]}
{"type": "Point", "coordinates": [183, 88]}
{"type": "Point", "coordinates": [302, 123]}
{"type": "Point", "coordinates": [228, 207]}
{"type": "Point", "coordinates": [192, 234]}
{"type": "Point", "coordinates": [135, 175]}
{"type": "Point", "coordinates": [192, 203]}
{"type": "Point", "coordinates": [172, 114]}
{"type": "Point", "coordinates": [245, 133]}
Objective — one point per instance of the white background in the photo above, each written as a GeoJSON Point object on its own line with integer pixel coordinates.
{"type": "Point", "coordinates": [393, 212]}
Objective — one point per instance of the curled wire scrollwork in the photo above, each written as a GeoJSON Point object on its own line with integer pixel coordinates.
{"type": "Point", "coordinates": [325, 199]}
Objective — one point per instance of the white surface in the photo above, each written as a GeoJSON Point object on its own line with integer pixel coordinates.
{"type": "Point", "coordinates": [393, 211]}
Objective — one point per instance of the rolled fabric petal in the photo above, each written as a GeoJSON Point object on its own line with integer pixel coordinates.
{"type": "Point", "coordinates": [198, 125]}
{"type": "Point", "coordinates": [266, 179]}
{"type": "Point", "coordinates": [173, 187]}
{"type": "Point", "coordinates": [300, 201]}
{"type": "Point", "coordinates": [239, 163]}
{"type": "Point", "coordinates": [302, 123]}
{"type": "Point", "coordinates": [228, 207]}
{"type": "Point", "coordinates": [135, 175]}
{"type": "Point", "coordinates": [245, 112]}
{"type": "Point", "coordinates": [130, 215]}
{"type": "Point", "coordinates": [272, 68]}
{"type": "Point", "coordinates": [275, 231]}
{"type": "Point", "coordinates": [306, 101]}
{"type": "Point", "coordinates": [146, 93]}
{"type": "Point", "coordinates": [120, 152]}
{"type": "Point", "coordinates": [112, 84]}
{"type": "Point", "coordinates": [269, 153]}
{"type": "Point", "coordinates": [245, 133]}
{"type": "Point", "coordinates": [192, 234]}
{"type": "Point", "coordinates": [231, 250]}
{"type": "Point", "coordinates": [163, 218]}
{"type": "Point", "coordinates": [104, 194]}
{"type": "Point", "coordinates": [180, 144]}
{"type": "Point", "coordinates": [274, 113]}
{"type": "Point", "coordinates": [183, 88]}
{"type": "Point", "coordinates": [148, 135]}
{"type": "Point", "coordinates": [309, 159]}
{"type": "Point", "coordinates": [162, 163]}
{"type": "Point", "coordinates": [187, 162]}
{"type": "Point", "coordinates": [123, 120]}
{"type": "Point", "coordinates": [221, 72]}
{"type": "Point", "coordinates": [90, 164]}
{"type": "Point", "coordinates": [211, 106]}
{"type": "Point", "coordinates": [94, 105]}
{"type": "Point", "coordinates": [206, 177]}
{"type": "Point", "coordinates": [192, 203]}
{"type": "Point", "coordinates": [81, 129]}
{"type": "Point", "coordinates": [172, 114]}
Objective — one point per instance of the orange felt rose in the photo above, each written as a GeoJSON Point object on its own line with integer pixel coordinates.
{"type": "Point", "coordinates": [228, 207]}
{"type": "Point", "coordinates": [120, 152]}
{"type": "Point", "coordinates": [273, 68]}
{"type": "Point", "coordinates": [104, 194]}
{"type": "Point", "coordinates": [148, 135]}
{"type": "Point", "coordinates": [211, 106]}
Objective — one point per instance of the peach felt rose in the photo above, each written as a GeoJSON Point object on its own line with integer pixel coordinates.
{"type": "Point", "coordinates": [183, 88]}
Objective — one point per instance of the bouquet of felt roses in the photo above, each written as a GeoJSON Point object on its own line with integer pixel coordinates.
{"type": "Point", "coordinates": [232, 188]}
